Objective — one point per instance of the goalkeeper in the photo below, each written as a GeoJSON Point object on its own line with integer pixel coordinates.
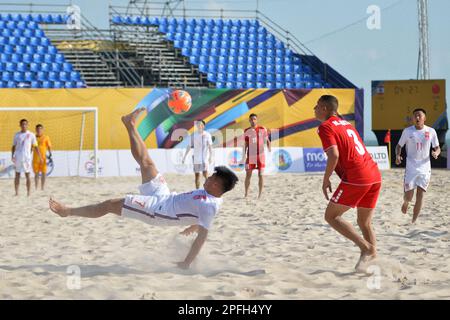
{"type": "Point", "coordinates": [40, 167]}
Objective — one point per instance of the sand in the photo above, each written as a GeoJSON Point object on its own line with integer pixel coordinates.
{"type": "Point", "coordinates": [277, 248]}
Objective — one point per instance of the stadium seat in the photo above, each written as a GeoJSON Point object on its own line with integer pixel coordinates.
{"type": "Point", "coordinates": [46, 84]}
{"type": "Point", "coordinates": [220, 85]}
{"type": "Point", "coordinates": [6, 76]}
{"type": "Point", "coordinates": [11, 84]}
{"type": "Point", "coordinates": [35, 84]}
{"type": "Point", "coordinates": [38, 58]}
{"type": "Point", "coordinates": [21, 67]}
{"type": "Point", "coordinates": [56, 67]}
{"type": "Point", "coordinates": [202, 67]}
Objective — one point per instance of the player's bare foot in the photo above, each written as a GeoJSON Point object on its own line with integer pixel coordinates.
{"type": "Point", "coordinates": [130, 119]}
{"type": "Point", "coordinates": [58, 208]}
{"type": "Point", "coordinates": [366, 256]}
{"type": "Point", "coordinates": [405, 206]}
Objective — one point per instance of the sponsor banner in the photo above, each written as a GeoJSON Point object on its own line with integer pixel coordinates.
{"type": "Point", "coordinates": [287, 160]}
{"type": "Point", "coordinates": [380, 156]}
{"type": "Point", "coordinates": [115, 163]}
{"type": "Point", "coordinates": [315, 160]}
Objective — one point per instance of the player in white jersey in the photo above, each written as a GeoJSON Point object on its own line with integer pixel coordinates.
{"type": "Point", "coordinates": [24, 141]}
{"type": "Point", "coordinates": [201, 142]}
{"type": "Point", "coordinates": [418, 139]}
{"type": "Point", "coordinates": [156, 205]}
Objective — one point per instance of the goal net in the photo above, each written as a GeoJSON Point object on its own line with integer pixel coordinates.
{"type": "Point", "coordinates": [73, 133]}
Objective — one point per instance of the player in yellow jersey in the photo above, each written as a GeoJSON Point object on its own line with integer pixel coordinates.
{"type": "Point", "coordinates": [40, 167]}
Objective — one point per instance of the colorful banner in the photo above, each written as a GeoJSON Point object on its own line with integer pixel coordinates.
{"type": "Point", "coordinates": [288, 114]}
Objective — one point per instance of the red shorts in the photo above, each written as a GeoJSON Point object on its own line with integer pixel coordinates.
{"type": "Point", "coordinates": [260, 164]}
{"type": "Point", "coordinates": [357, 196]}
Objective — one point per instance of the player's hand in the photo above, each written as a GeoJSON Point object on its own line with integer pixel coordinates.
{"type": "Point", "coordinates": [182, 265]}
{"type": "Point", "coordinates": [435, 154]}
{"type": "Point", "coordinates": [13, 159]}
{"type": "Point", "coordinates": [189, 230]}
{"type": "Point", "coordinates": [326, 186]}
{"type": "Point", "coordinates": [398, 160]}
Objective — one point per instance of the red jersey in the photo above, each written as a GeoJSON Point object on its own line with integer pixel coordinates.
{"type": "Point", "coordinates": [255, 140]}
{"type": "Point", "coordinates": [355, 164]}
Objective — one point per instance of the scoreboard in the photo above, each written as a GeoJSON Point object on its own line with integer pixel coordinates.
{"type": "Point", "coordinates": [394, 101]}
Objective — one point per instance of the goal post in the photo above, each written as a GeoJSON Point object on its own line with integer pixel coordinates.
{"type": "Point", "coordinates": [72, 130]}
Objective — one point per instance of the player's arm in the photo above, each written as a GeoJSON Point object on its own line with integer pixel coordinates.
{"type": "Point", "coordinates": [269, 145]}
{"type": "Point", "coordinates": [332, 161]}
{"type": "Point", "coordinates": [398, 154]}
{"type": "Point", "coordinates": [195, 249]}
{"type": "Point", "coordinates": [13, 150]}
{"type": "Point", "coordinates": [188, 148]}
{"type": "Point", "coordinates": [210, 150]}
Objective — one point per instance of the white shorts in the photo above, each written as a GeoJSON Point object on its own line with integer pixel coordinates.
{"type": "Point", "coordinates": [414, 180]}
{"type": "Point", "coordinates": [23, 166]}
{"type": "Point", "coordinates": [144, 207]}
{"type": "Point", "coordinates": [200, 167]}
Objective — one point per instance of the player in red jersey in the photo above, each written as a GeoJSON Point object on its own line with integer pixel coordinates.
{"type": "Point", "coordinates": [360, 178]}
{"type": "Point", "coordinates": [256, 137]}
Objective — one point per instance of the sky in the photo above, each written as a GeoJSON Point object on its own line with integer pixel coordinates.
{"type": "Point", "coordinates": [337, 32]}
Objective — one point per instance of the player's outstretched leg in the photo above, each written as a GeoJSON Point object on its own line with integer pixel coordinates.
{"type": "Point", "coordinates": [418, 205]}
{"type": "Point", "coordinates": [138, 147]}
{"type": "Point", "coordinates": [91, 211]}
{"type": "Point", "coordinates": [407, 198]}
{"type": "Point", "coordinates": [248, 177]}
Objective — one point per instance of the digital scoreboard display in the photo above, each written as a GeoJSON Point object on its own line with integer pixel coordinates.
{"type": "Point", "coordinates": [394, 101]}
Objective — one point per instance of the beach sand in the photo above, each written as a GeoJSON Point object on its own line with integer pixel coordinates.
{"type": "Point", "coordinates": [276, 248]}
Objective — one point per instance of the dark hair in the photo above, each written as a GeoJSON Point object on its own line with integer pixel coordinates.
{"type": "Point", "coordinates": [228, 177]}
{"type": "Point", "coordinates": [253, 115]}
{"type": "Point", "coordinates": [420, 109]}
{"type": "Point", "coordinates": [204, 123]}
{"type": "Point", "coordinates": [330, 100]}
{"type": "Point", "coordinates": [39, 126]}
{"type": "Point", "coordinates": [23, 120]}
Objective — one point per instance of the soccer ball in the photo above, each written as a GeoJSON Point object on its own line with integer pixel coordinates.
{"type": "Point", "coordinates": [180, 101]}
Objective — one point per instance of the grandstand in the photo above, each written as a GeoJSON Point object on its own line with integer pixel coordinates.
{"type": "Point", "coordinates": [184, 49]}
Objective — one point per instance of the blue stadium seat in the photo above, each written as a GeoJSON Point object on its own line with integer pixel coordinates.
{"type": "Point", "coordinates": [6, 33]}
{"type": "Point", "coordinates": [251, 53]}
{"type": "Point", "coordinates": [220, 85]}
{"type": "Point", "coordinates": [136, 20]}
{"type": "Point", "coordinates": [288, 85]}
{"type": "Point", "coordinates": [288, 68]}
{"type": "Point", "coordinates": [231, 77]}
{"type": "Point", "coordinates": [241, 77]}
{"type": "Point", "coordinates": [261, 60]}
{"type": "Point", "coordinates": [194, 59]}
{"type": "Point", "coordinates": [67, 67]}
{"type": "Point", "coordinates": [214, 51]}
{"type": "Point", "coordinates": [8, 49]}
{"type": "Point", "coordinates": [211, 76]}
{"type": "Point", "coordinates": [297, 68]}
{"type": "Point", "coordinates": [261, 45]}
{"type": "Point", "coordinates": [53, 76]}
{"type": "Point", "coordinates": [49, 58]}
{"type": "Point", "coordinates": [221, 67]}
{"type": "Point", "coordinates": [18, 76]}
{"type": "Point", "coordinates": [195, 52]}
{"type": "Point", "coordinates": [205, 52]}
{"type": "Point", "coordinates": [270, 77]}
{"type": "Point", "coordinates": [75, 76]}
{"type": "Point", "coordinates": [298, 78]}
{"type": "Point", "coordinates": [80, 84]}
{"type": "Point", "coordinates": [10, 66]}
{"type": "Point", "coordinates": [16, 58]}
{"type": "Point", "coordinates": [38, 18]}
{"type": "Point", "coordinates": [260, 77]}
{"type": "Point", "coordinates": [231, 68]}
{"type": "Point", "coordinates": [250, 84]}
{"type": "Point", "coordinates": [251, 60]}
{"type": "Point", "coordinates": [223, 60]}
{"type": "Point", "coordinates": [260, 67]}
{"type": "Point", "coordinates": [35, 41]}
{"type": "Point", "coordinates": [39, 33]}
{"type": "Point", "coordinates": [221, 76]}
{"type": "Point", "coordinates": [38, 58]}
{"type": "Point", "coordinates": [279, 85]}
{"type": "Point", "coordinates": [232, 59]}
{"type": "Point", "coordinates": [47, 19]}
{"type": "Point", "coordinates": [212, 67]}
{"type": "Point", "coordinates": [279, 77]}
{"type": "Point", "coordinates": [21, 67]}
{"type": "Point", "coordinates": [224, 52]}
{"type": "Point", "coordinates": [69, 85]}
{"type": "Point", "coordinates": [117, 20]}
{"type": "Point", "coordinates": [186, 51]}
{"type": "Point", "coordinates": [177, 43]}
{"type": "Point", "coordinates": [35, 84]}
{"type": "Point", "coordinates": [64, 76]}
{"type": "Point", "coordinates": [6, 76]}
{"type": "Point", "coordinates": [241, 67]}
{"type": "Point", "coordinates": [13, 41]}
{"type": "Point", "coordinates": [11, 84]}
{"type": "Point", "coordinates": [240, 85]}
{"type": "Point", "coordinates": [234, 36]}
{"type": "Point", "coordinates": [279, 68]}
{"type": "Point", "coordinates": [289, 77]}
{"type": "Point", "coordinates": [56, 67]}
{"type": "Point", "coordinates": [202, 67]}
{"type": "Point", "coordinates": [250, 77]}
{"type": "Point", "coordinates": [29, 76]}
{"type": "Point", "coordinates": [34, 67]}
{"type": "Point", "coordinates": [47, 84]}
{"type": "Point", "coordinates": [41, 50]}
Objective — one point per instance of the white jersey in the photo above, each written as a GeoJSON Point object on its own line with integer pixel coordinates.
{"type": "Point", "coordinates": [23, 141]}
{"type": "Point", "coordinates": [418, 144]}
{"type": "Point", "coordinates": [201, 143]}
{"type": "Point", "coordinates": [157, 206]}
